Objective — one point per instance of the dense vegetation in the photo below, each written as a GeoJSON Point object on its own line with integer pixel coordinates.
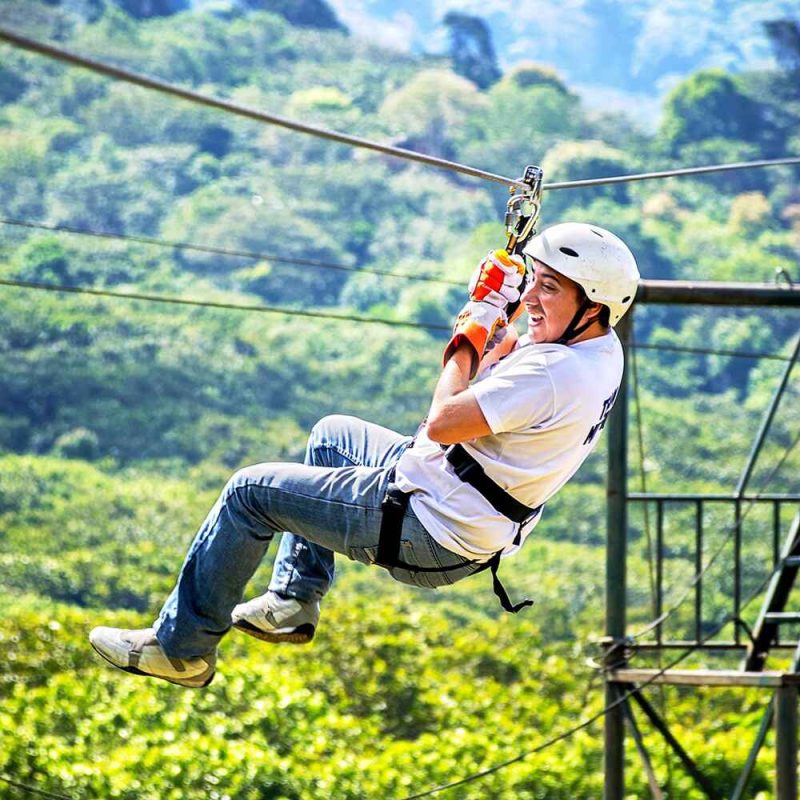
{"type": "Point", "coordinates": [120, 419]}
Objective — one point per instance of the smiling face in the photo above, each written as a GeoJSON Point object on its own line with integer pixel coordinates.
{"type": "Point", "coordinates": [551, 303]}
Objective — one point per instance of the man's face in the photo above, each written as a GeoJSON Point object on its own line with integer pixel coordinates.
{"type": "Point", "coordinates": [551, 301]}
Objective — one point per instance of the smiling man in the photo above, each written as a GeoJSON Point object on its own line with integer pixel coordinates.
{"type": "Point", "coordinates": [433, 509]}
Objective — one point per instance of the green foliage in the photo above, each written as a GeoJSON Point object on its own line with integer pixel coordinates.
{"type": "Point", "coordinates": [431, 110]}
{"type": "Point", "coordinates": [120, 420]}
{"type": "Point", "coordinates": [709, 105]}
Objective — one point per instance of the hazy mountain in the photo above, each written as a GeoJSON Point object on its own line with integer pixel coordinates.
{"type": "Point", "coordinates": [619, 52]}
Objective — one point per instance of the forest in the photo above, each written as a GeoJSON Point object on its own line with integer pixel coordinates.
{"type": "Point", "coordinates": [334, 275]}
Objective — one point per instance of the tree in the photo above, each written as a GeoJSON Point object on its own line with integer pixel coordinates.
{"type": "Point", "coordinates": [784, 36]}
{"type": "Point", "coordinates": [471, 49]}
{"type": "Point", "coordinates": [304, 13]}
{"type": "Point", "coordinates": [709, 105]}
{"type": "Point", "coordinates": [577, 160]}
{"type": "Point", "coordinates": [431, 112]}
{"type": "Point", "coordinates": [142, 9]}
{"type": "Point", "coordinates": [528, 74]}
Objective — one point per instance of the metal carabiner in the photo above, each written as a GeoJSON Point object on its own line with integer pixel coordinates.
{"type": "Point", "coordinates": [522, 214]}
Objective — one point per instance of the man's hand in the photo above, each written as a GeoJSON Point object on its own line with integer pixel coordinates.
{"type": "Point", "coordinates": [493, 285]}
{"type": "Point", "coordinates": [497, 279]}
{"type": "Point", "coordinates": [475, 325]}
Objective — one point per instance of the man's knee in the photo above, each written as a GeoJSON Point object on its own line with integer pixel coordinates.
{"type": "Point", "coordinates": [329, 428]}
{"type": "Point", "coordinates": [246, 478]}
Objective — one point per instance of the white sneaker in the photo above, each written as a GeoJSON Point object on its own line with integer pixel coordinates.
{"type": "Point", "coordinates": [273, 618]}
{"type": "Point", "coordinates": [140, 653]}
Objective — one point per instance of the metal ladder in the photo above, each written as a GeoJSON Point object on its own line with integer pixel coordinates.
{"type": "Point", "coordinates": [765, 632]}
{"type": "Point", "coordinates": [772, 614]}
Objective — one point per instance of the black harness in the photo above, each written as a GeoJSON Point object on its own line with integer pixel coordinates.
{"type": "Point", "coordinates": [395, 503]}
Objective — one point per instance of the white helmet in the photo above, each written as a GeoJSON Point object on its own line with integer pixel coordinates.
{"type": "Point", "coordinates": [592, 257]}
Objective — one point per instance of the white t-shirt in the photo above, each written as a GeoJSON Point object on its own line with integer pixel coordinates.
{"type": "Point", "coordinates": [546, 405]}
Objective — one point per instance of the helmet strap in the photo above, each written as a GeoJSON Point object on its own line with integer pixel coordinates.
{"type": "Point", "coordinates": [573, 329]}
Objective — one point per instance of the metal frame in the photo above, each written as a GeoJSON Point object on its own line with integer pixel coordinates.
{"type": "Point", "coordinates": [618, 499]}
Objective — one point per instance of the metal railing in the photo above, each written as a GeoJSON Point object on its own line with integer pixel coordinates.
{"type": "Point", "coordinates": [734, 540]}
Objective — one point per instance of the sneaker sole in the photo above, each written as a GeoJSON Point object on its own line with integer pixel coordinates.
{"type": "Point", "coordinates": [134, 671]}
{"type": "Point", "coordinates": [302, 634]}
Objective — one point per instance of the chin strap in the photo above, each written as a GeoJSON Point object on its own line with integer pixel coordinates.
{"type": "Point", "coordinates": [572, 330]}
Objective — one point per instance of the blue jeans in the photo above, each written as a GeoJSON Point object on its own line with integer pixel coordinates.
{"type": "Point", "coordinates": [331, 503]}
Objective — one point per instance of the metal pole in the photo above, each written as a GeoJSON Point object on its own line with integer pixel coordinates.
{"type": "Point", "coordinates": [652, 780]}
{"type": "Point", "coordinates": [685, 758]}
{"type": "Point", "coordinates": [616, 526]}
{"type": "Point", "coordinates": [786, 743]}
{"type": "Point", "coordinates": [767, 421]}
{"type": "Point", "coordinates": [708, 293]}
{"type": "Point", "coordinates": [747, 771]}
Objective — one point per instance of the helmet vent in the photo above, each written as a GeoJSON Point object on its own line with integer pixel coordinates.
{"type": "Point", "coordinates": [596, 233]}
{"type": "Point", "coordinates": [626, 298]}
{"type": "Point", "coordinates": [568, 251]}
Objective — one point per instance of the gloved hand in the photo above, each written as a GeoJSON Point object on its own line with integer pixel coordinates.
{"type": "Point", "coordinates": [497, 279]}
{"type": "Point", "coordinates": [476, 324]}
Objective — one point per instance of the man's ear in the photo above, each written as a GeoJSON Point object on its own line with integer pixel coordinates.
{"type": "Point", "coordinates": [593, 312]}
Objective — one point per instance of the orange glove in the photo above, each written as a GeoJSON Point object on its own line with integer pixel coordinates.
{"type": "Point", "coordinates": [475, 324]}
{"type": "Point", "coordinates": [497, 279]}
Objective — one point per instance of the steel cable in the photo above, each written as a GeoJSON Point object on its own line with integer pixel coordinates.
{"type": "Point", "coordinates": [624, 697]}
{"type": "Point", "coordinates": [299, 312]}
{"type": "Point", "coordinates": [221, 251]}
{"type": "Point", "coordinates": [138, 79]}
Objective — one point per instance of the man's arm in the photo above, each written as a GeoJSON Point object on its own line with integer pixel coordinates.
{"type": "Point", "coordinates": [455, 415]}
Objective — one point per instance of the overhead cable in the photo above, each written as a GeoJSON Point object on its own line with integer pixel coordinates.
{"type": "Point", "coordinates": [222, 251]}
{"type": "Point", "coordinates": [129, 76]}
{"type": "Point", "coordinates": [109, 70]}
{"type": "Point", "coordinates": [32, 789]}
{"type": "Point", "coordinates": [731, 617]}
{"type": "Point", "coordinates": [300, 312]}
{"type": "Point", "coordinates": [674, 173]}
{"type": "Point", "coordinates": [644, 288]}
{"type": "Point", "coordinates": [709, 351]}
{"type": "Point", "coordinates": [157, 298]}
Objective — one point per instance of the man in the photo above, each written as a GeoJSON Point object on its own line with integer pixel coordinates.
{"type": "Point", "coordinates": [432, 510]}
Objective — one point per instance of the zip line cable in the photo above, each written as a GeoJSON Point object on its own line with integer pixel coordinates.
{"type": "Point", "coordinates": [221, 251]}
{"type": "Point", "coordinates": [164, 87]}
{"type": "Point", "coordinates": [32, 789]}
{"type": "Point", "coordinates": [155, 298]}
{"type": "Point", "coordinates": [129, 76]}
{"type": "Point", "coordinates": [731, 617]}
{"type": "Point", "coordinates": [623, 698]}
{"type": "Point", "coordinates": [708, 351]}
{"type": "Point", "coordinates": [292, 312]}
{"type": "Point", "coordinates": [329, 265]}
{"type": "Point", "coordinates": [673, 173]}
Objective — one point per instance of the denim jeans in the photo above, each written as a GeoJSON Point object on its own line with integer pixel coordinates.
{"type": "Point", "coordinates": [331, 503]}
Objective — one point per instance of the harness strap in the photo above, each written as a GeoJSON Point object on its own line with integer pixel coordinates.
{"type": "Point", "coordinates": [393, 507]}
{"type": "Point", "coordinates": [471, 472]}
